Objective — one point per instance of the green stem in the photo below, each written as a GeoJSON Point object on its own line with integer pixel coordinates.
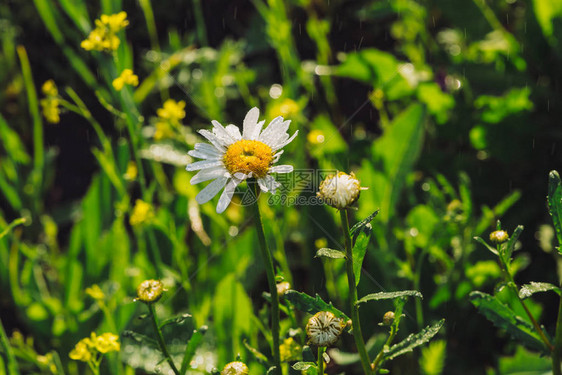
{"type": "Point", "coordinates": [513, 287]}
{"type": "Point", "coordinates": [268, 263]}
{"type": "Point", "coordinates": [7, 349]}
{"type": "Point", "coordinates": [557, 352]}
{"type": "Point", "coordinates": [321, 350]}
{"type": "Point", "coordinates": [357, 335]}
{"type": "Point", "coordinates": [161, 342]}
{"type": "Point", "coordinates": [378, 360]}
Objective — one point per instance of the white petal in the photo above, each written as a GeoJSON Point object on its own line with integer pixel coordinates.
{"type": "Point", "coordinates": [281, 169]}
{"type": "Point", "coordinates": [203, 164]}
{"type": "Point", "coordinates": [226, 195]}
{"type": "Point", "coordinates": [257, 129]}
{"type": "Point", "coordinates": [211, 190]}
{"type": "Point", "coordinates": [222, 134]}
{"type": "Point", "coordinates": [277, 156]}
{"type": "Point", "coordinates": [284, 143]}
{"type": "Point", "coordinates": [207, 148]}
{"type": "Point", "coordinates": [271, 184]}
{"type": "Point", "coordinates": [274, 129]}
{"type": "Point", "coordinates": [204, 155]}
{"type": "Point", "coordinates": [208, 174]}
{"type": "Point", "coordinates": [250, 122]}
{"type": "Point", "coordinates": [262, 184]}
{"type": "Point", "coordinates": [216, 141]}
{"type": "Point", "coordinates": [234, 132]}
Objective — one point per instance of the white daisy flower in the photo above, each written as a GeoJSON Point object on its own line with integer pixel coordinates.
{"type": "Point", "coordinates": [340, 190]}
{"type": "Point", "coordinates": [324, 328]}
{"type": "Point", "coordinates": [233, 157]}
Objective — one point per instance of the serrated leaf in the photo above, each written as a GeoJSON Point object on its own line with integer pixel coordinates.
{"type": "Point", "coordinates": [414, 340]}
{"type": "Point", "coordinates": [360, 249]}
{"type": "Point", "coordinates": [363, 222]}
{"type": "Point", "coordinates": [312, 305]}
{"type": "Point", "coordinates": [555, 203]}
{"type": "Point", "coordinates": [503, 317]}
{"type": "Point", "coordinates": [480, 240]}
{"type": "Point", "coordinates": [533, 287]}
{"type": "Point", "coordinates": [272, 370]}
{"type": "Point", "coordinates": [512, 241]}
{"type": "Point", "coordinates": [176, 320]}
{"type": "Point", "coordinates": [390, 295]}
{"type": "Point", "coordinates": [330, 253]}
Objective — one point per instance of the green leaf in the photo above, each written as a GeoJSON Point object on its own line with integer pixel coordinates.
{"type": "Point", "coordinates": [11, 226]}
{"type": "Point", "coordinates": [413, 341]}
{"type": "Point", "coordinates": [363, 222]}
{"type": "Point", "coordinates": [503, 317]}
{"type": "Point", "coordinates": [390, 295]}
{"type": "Point", "coordinates": [175, 321]}
{"type": "Point", "coordinates": [555, 203]}
{"type": "Point", "coordinates": [191, 347]}
{"type": "Point", "coordinates": [480, 240]}
{"type": "Point", "coordinates": [330, 253]}
{"type": "Point", "coordinates": [512, 241]}
{"type": "Point", "coordinates": [533, 287]}
{"type": "Point", "coordinates": [433, 356]}
{"type": "Point", "coordinates": [359, 250]}
{"type": "Point", "coordinates": [306, 303]}
{"type": "Point", "coordinates": [305, 366]}
{"type": "Point", "coordinates": [259, 356]}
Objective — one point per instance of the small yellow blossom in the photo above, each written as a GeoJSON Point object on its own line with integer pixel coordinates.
{"type": "Point", "coordinates": [47, 361]}
{"type": "Point", "coordinates": [95, 292]}
{"type": "Point", "coordinates": [315, 137]}
{"type": "Point", "coordinates": [285, 108]}
{"type": "Point", "coordinates": [49, 88]}
{"type": "Point", "coordinates": [51, 110]}
{"type": "Point", "coordinates": [105, 343]}
{"type": "Point", "coordinates": [150, 291]}
{"type": "Point", "coordinates": [82, 351]}
{"type": "Point", "coordinates": [127, 77]}
{"type": "Point", "coordinates": [163, 130]}
{"type": "Point", "coordinates": [290, 350]}
{"type": "Point", "coordinates": [132, 171]}
{"type": "Point", "coordinates": [172, 110]}
{"type": "Point", "coordinates": [142, 213]}
{"type": "Point", "coordinates": [235, 368]}
{"type": "Point", "coordinates": [103, 37]}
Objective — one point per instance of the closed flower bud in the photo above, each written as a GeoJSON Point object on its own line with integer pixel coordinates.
{"type": "Point", "coordinates": [235, 368]}
{"type": "Point", "coordinates": [388, 318]}
{"type": "Point", "coordinates": [499, 236]}
{"type": "Point", "coordinates": [282, 287]}
{"type": "Point", "coordinates": [339, 191]}
{"type": "Point", "coordinates": [324, 328]}
{"type": "Point", "coordinates": [150, 291]}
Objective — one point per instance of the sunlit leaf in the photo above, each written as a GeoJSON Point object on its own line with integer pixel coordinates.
{"type": "Point", "coordinates": [312, 305]}
{"type": "Point", "coordinates": [360, 249]}
{"type": "Point", "coordinates": [414, 340]}
{"type": "Point", "coordinates": [363, 223]}
{"type": "Point", "coordinates": [330, 253]}
{"type": "Point", "coordinates": [533, 287]}
{"type": "Point", "coordinates": [390, 295]}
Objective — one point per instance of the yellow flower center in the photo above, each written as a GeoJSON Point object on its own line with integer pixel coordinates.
{"type": "Point", "coordinates": [248, 156]}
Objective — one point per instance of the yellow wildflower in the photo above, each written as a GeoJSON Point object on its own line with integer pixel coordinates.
{"type": "Point", "coordinates": [285, 108]}
{"type": "Point", "coordinates": [290, 350]}
{"type": "Point", "coordinates": [82, 351]}
{"type": "Point", "coordinates": [49, 88]}
{"type": "Point", "coordinates": [127, 77]}
{"type": "Point", "coordinates": [131, 172]}
{"type": "Point", "coordinates": [142, 213]}
{"type": "Point", "coordinates": [95, 292]}
{"type": "Point", "coordinates": [172, 110]}
{"type": "Point", "coordinates": [315, 137]}
{"type": "Point", "coordinates": [106, 343]}
{"type": "Point", "coordinates": [51, 110]}
{"type": "Point", "coordinates": [48, 362]}
{"type": "Point", "coordinates": [103, 37]}
{"type": "Point", "coordinates": [163, 130]}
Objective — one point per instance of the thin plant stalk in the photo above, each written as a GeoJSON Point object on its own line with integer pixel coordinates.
{"type": "Point", "coordinates": [12, 365]}
{"type": "Point", "coordinates": [378, 360]}
{"type": "Point", "coordinates": [557, 352]}
{"type": "Point", "coordinates": [321, 351]}
{"type": "Point", "coordinates": [268, 263]}
{"type": "Point", "coordinates": [357, 334]}
{"type": "Point", "coordinates": [160, 338]}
